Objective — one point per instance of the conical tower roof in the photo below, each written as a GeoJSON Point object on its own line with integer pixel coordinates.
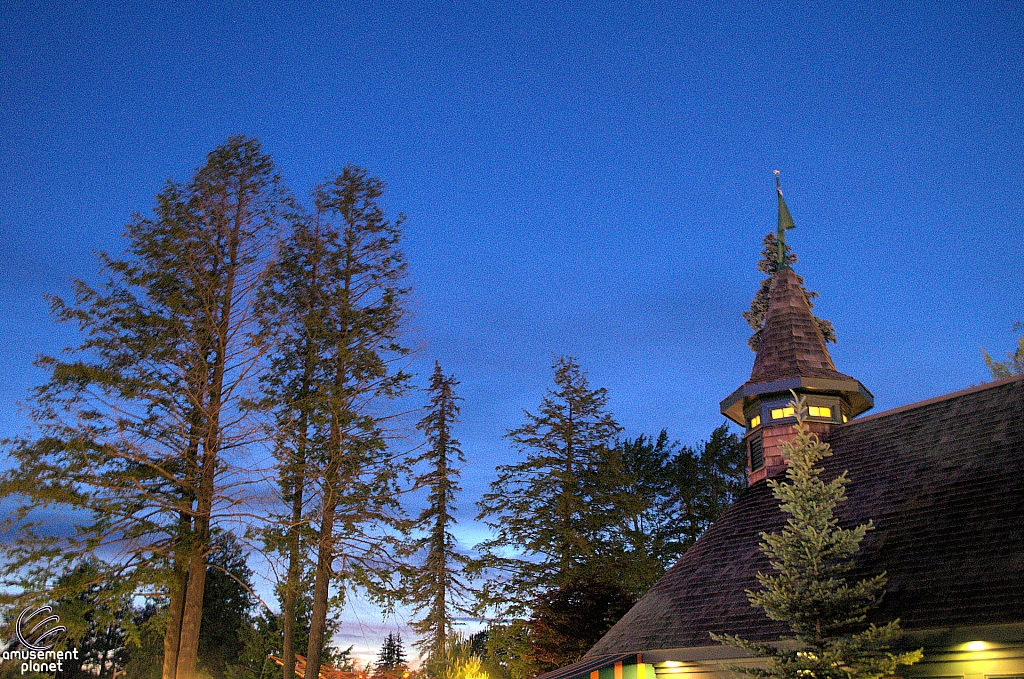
{"type": "Point", "coordinates": [791, 353]}
{"type": "Point", "coordinates": [790, 343]}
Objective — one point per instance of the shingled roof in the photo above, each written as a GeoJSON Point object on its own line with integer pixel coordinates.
{"type": "Point", "coordinates": [790, 343]}
{"type": "Point", "coordinates": [943, 481]}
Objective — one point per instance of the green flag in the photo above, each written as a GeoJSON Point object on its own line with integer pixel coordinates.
{"type": "Point", "coordinates": [785, 224]}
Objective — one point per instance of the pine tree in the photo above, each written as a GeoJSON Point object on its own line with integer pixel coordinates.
{"type": "Point", "coordinates": [358, 512]}
{"type": "Point", "coordinates": [391, 659]}
{"type": "Point", "coordinates": [137, 421]}
{"type": "Point", "coordinates": [658, 498]}
{"type": "Point", "coordinates": [292, 310]}
{"type": "Point", "coordinates": [227, 602]}
{"type": "Point", "coordinates": [542, 505]}
{"type": "Point", "coordinates": [809, 591]}
{"type": "Point", "coordinates": [639, 536]}
{"type": "Point", "coordinates": [438, 587]}
{"type": "Point", "coordinates": [769, 264]}
{"type": "Point", "coordinates": [101, 646]}
{"type": "Point", "coordinates": [721, 476]}
{"type": "Point", "coordinates": [1014, 365]}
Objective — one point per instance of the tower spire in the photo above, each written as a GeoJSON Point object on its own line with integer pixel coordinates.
{"type": "Point", "coordinates": [791, 358]}
{"type": "Point", "coordinates": [785, 224]}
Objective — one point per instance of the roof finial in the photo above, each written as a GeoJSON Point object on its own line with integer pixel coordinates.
{"type": "Point", "coordinates": [785, 224]}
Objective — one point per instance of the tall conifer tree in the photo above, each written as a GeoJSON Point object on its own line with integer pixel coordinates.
{"type": "Point", "coordinates": [437, 589]}
{"type": "Point", "coordinates": [809, 590]}
{"type": "Point", "coordinates": [542, 504]}
{"type": "Point", "coordinates": [363, 301]}
{"type": "Point", "coordinates": [293, 312]}
{"type": "Point", "coordinates": [137, 420]}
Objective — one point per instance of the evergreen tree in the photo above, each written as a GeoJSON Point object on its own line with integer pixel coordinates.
{"type": "Point", "coordinates": [145, 647]}
{"type": "Point", "coordinates": [542, 505]}
{"type": "Point", "coordinates": [292, 310]}
{"type": "Point", "coordinates": [227, 602]}
{"type": "Point", "coordinates": [659, 498]}
{"type": "Point", "coordinates": [264, 636]}
{"type": "Point", "coordinates": [437, 589]}
{"type": "Point", "coordinates": [137, 420]}
{"type": "Point", "coordinates": [358, 513]}
{"type": "Point", "coordinates": [809, 591]}
{"type": "Point", "coordinates": [705, 480]}
{"type": "Point", "coordinates": [508, 650]}
{"type": "Point", "coordinates": [566, 622]}
{"type": "Point", "coordinates": [97, 625]}
{"type": "Point", "coordinates": [391, 659]}
{"type": "Point", "coordinates": [769, 264]}
{"type": "Point", "coordinates": [639, 536]}
{"type": "Point", "coordinates": [1014, 365]}
{"type": "Point", "coordinates": [597, 522]}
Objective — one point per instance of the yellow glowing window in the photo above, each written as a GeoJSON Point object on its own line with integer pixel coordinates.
{"type": "Point", "coordinates": [844, 418]}
{"type": "Point", "coordinates": [755, 421]}
{"type": "Point", "coordinates": [779, 413]}
{"type": "Point", "coordinates": [819, 411]}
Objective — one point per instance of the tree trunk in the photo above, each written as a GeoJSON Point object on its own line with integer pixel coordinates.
{"type": "Point", "coordinates": [321, 588]}
{"type": "Point", "coordinates": [172, 636]}
{"type": "Point", "coordinates": [192, 615]}
{"type": "Point", "coordinates": [289, 609]}
{"type": "Point", "coordinates": [182, 552]}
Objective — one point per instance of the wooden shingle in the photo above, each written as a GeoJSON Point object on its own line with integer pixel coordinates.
{"type": "Point", "coordinates": [943, 481]}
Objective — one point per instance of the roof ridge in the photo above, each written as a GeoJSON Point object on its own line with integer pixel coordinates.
{"type": "Point", "coordinates": [935, 399]}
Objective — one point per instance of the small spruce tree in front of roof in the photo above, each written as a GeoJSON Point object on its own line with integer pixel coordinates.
{"type": "Point", "coordinates": [811, 558]}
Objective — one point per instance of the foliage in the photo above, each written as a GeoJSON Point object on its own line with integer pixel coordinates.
{"type": "Point", "coordinates": [363, 312]}
{"type": "Point", "coordinates": [460, 661]}
{"type": "Point", "coordinates": [769, 264]}
{"type": "Point", "coordinates": [1014, 365]}
{"type": "Point", "coordinates": [98, 626]}
{"type": "Point", "coordinates": [146, 647]}
{"type": "Point", "coordinates": [391, 658]}
{"type": "Point", "coordinates": [809, 591]}
{"type": "Point", "coordinates": [264, 636]}
{"type": "Point", "coordinates": [227, 602]}
{"type": "Point", "coordinates": [508, 650]}
{"type": "Point", "coordinates": [437, 589]}
{"type": "Point", "coordinates": [660, 497]}
{"type": "Point", "coordinates": [568, 620]}
{"type": "Point", "coordinates": [137, 420]}
{"type": "Point", "coordinates": [541, 505]}
{"type": "Point", "coordinates": [465, 668]}
{"type": "Point", "coordinates": [596, 520]}
{"type": "Point", "coordinates": [292, 312]}
{"type": "Point", "coordinates": [131, 638]}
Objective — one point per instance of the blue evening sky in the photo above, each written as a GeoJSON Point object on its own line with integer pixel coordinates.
{"type": "Point", "coordinates": [583, 178]}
